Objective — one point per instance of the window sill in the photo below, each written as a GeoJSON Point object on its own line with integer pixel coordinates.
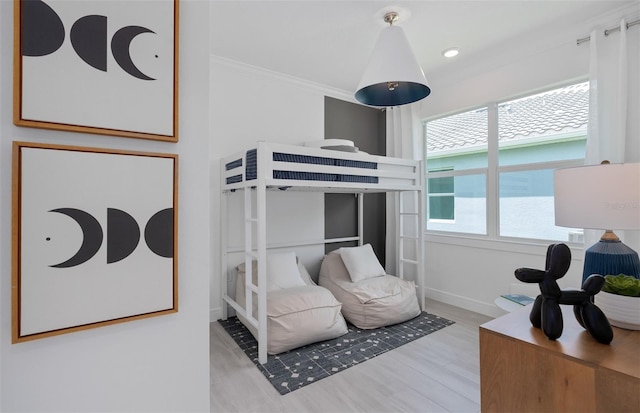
{"type": "Point", "coordinates": [515, 245]}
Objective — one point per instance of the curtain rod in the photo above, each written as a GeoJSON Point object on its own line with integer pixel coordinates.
{"type": "Point", "coordinates": [608, 31]}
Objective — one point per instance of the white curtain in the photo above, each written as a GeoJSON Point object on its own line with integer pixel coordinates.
{"type": "Point", "coordinates": [614, 109]}
{"type": "Point", "coordinates": [404, 131]}
{"type": "Point", "coordinates": [404, 140]}
{"type": "Point", "coordinates": [613, 123]}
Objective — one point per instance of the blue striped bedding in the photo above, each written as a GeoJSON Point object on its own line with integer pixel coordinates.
{"type": "Point", "coordinates": [251, 170]}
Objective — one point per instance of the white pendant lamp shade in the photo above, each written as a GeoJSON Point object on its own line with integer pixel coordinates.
{"type": "Point", "coordinates": [393, 76]}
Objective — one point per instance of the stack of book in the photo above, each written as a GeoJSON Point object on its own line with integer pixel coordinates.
{"type": "Point", "coordinates": [518, 298]}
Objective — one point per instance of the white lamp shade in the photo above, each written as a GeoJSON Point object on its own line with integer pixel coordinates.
{"type": "Point", "coordinates": [598, 197]}
{"type": "Point", "coordinates": [393, 61]}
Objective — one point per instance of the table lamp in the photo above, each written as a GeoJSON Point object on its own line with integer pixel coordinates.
{"type": "Point", "coordinates": [606, 197]}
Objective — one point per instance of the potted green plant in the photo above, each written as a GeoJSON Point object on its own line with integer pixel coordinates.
{"type": "Point", "coordinates": [620, 301]}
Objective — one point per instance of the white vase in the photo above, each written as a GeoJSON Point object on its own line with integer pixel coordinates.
{"type": "Point", "coordinates": [621, 310]}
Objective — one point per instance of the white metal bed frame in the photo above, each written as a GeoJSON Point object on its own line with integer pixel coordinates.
{"type": "Point", "coordinates": [393, 175]}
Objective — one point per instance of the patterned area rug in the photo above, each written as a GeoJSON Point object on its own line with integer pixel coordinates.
{"type": "Point", "coordinates": [297, 368]}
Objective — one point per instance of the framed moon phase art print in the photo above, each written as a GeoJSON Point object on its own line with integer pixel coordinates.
{"type": "Point", "coordinates": [105, 67]}
{"type": "Point", "coordinates": [94, 238]}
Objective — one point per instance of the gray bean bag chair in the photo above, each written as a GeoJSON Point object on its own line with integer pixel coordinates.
{"type": "Point", "coordinates": [301, 313]}
{"type": "Point", "coordinates": [375, 299]}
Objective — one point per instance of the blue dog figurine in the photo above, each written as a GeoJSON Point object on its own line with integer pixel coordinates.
{"type": "Point", "coordinates": [546, 313]}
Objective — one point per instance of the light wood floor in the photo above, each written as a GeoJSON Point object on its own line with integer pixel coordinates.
{"type": "Point", "coordinates": [436, 373]}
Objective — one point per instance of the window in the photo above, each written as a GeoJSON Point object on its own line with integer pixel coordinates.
{"type": "Point", "coordinates": [498, 180]}
{"type": "Point", "coordinates": [456, 150]}
{"type": "Point", "coordinates": [441, 198]}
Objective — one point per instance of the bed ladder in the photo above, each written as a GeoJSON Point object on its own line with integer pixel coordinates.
{"type": "Point", "coordinates": [255, 230]}
{"type": "Point", "coordinates": [411, 213]}
{"type": "Point", "coordinates": [259, 254]}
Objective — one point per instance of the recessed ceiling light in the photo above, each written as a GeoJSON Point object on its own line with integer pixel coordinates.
{"type": "Point", "coordinates": [451, 52]}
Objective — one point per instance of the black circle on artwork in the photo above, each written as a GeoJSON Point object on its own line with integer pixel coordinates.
{"type": "Point", "coordinates": [121, 49]}
{"type": "Point", "coordinates": [123, 235]}
{"type": "Point", "coordinates": [48, 238]}
{"type": "Point", "coordinates": [42, 29]}
{"type": "Point", "coordinates": [89, 39]}
{"type": "Point", "coordinates": [91, 236]}
{"type": "Point", "coordinates": [158, 234]}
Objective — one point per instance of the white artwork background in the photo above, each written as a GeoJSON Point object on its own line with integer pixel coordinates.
{"type": "Point", "coordinates": [56, 298]}
{"type": "Point", "coordinates": [62, 88]}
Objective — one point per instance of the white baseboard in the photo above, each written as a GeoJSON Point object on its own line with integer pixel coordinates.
{"type": "Point", "coordinates": [215, 314]}
{"type": "Point", "coordinates": [488, 309]}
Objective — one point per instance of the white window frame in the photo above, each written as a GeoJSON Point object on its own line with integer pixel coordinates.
{"type": "Point", "coordinates": [492, 173]}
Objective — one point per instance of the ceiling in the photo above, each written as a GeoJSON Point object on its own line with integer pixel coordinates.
{"type": "Point", "coordinates": [329, 42]}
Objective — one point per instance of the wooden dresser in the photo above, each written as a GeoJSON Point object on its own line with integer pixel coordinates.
{"type": "Point", "coordinates": [521, 370]}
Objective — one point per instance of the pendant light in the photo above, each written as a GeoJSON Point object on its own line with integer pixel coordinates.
{"type": "Point", "coordinates": [393, 76]}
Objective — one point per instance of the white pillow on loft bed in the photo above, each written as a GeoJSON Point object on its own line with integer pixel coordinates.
{"type": "Point", "coordinates": [343, 145]}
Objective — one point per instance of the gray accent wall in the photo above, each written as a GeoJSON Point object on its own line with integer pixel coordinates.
{"type": "Point", "coordinates": [366, 127]}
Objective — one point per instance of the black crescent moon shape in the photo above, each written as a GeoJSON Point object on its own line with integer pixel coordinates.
{"type": "Point", "coordinates": [91, 237]}
{"type": "Point", "coordinates": [42, 29]}
{"type": "Point", "coordinates": [158, 233]}
{"type": "Point", "coordinates": [120, 47]}
{"type": "Point", "coordinates": [89, 39]}
{"type": "Point", "coordinates": [123, 235]}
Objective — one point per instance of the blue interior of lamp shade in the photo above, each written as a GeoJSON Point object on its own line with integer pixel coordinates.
{"type": "Point", "coordinates": [380, 95]}
{"type": "Point", "coordinates": [611, 258]}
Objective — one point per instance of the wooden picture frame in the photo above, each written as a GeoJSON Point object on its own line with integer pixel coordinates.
{"type": "Point", "coordinates": [106, 67]}
{"type": "Point", "coordinates": [94, 238]}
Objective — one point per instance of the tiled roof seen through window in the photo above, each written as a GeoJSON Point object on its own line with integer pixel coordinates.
{"type": "Point", "coordinates": [558, 111]}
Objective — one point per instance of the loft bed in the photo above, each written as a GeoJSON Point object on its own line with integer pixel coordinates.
{"type": "Point", "coordinates": [282, 167]}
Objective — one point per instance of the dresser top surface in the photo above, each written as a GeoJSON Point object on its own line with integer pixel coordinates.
{"type": "Point", "coordinates": [622, 355]}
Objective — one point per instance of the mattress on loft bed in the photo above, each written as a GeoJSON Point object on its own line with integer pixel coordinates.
{"type": "Point", "coordinates": [252, 167]}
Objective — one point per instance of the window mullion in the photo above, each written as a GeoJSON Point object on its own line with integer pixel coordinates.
{"type": "Point", "coordinates": [493, 217]}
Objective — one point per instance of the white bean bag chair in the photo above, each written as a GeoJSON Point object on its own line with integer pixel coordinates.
{"type": "Point", "coordinates": [374, 299]}
{"type": "Point", "coordinates": [299, 312]}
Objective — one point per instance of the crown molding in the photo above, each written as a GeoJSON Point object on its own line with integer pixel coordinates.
{"type": "Point", "coordinates": [306, 84]}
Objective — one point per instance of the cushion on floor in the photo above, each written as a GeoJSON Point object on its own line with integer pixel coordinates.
{"type": "Point", "coordinates": [296, 316]}
{"type": "Point", "coordinates": [370, 303]}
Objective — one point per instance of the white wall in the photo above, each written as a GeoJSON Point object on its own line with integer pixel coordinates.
{"type": "Point", "coordinates": [249, 104]}
{"type": "Point", "coordinates": [156, 364]}
{"type": "Point", "coordinates": [471, 273]}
